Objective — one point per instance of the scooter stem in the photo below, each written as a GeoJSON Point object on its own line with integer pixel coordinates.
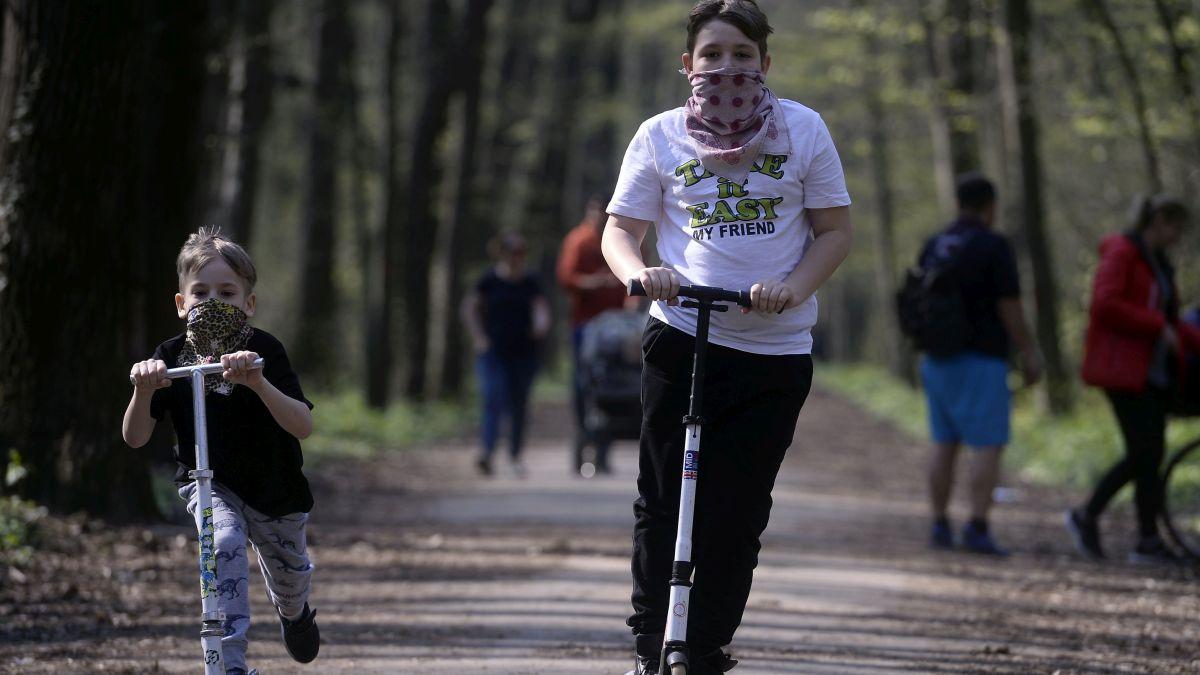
{"type": "Point", "coordinates": [675, 648]}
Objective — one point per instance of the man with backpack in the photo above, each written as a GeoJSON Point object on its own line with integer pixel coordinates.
{"type": "Point", "coordinates": [963, 308]}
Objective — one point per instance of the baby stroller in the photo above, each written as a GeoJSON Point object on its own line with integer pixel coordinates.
{"type": "Point", "coordinates": [610, 372]}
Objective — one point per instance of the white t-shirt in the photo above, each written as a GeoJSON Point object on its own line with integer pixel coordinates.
{"type": "Point", "coordinates": [715, 233]}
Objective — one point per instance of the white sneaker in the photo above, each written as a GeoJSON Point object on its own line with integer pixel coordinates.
{"type": "Point", "coordinates": [518, 469]}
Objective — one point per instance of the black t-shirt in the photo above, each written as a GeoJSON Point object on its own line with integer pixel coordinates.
{"type": "Point", "coordinates": [248, 451]}
{"type": "Point", "coordinates": [986, 271]}
{"type": "Point", "coordinates": [508, 311]}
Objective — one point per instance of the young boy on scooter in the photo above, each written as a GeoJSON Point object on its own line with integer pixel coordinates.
{"type": "Point", "coordinates": [744, 190]}
{"type": "Point", "coordinates": [256, 418]}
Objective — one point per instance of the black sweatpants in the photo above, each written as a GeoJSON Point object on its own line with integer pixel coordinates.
{"type": "Point", "coordinates": [751, 403]}
{"type": "Point", "coordinates": [1143, 421]}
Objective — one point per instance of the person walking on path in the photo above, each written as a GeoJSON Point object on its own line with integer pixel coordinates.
{"type": "Point", "coordinates": [967, 390]}
{"type": "Point", "coordinates": [744, 190]}
{"type": "Point", "coordinates": [592, 289]}
{"type": "Point", "coordinates": [1135, 349]}
{"type": "Point", "coordinates": [506, 314]}
{"type": "Point", "coordinates": [257, 418]}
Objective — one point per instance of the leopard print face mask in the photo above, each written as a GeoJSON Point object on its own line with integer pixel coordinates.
{"type": "Point", "coordinates": [214, 328]}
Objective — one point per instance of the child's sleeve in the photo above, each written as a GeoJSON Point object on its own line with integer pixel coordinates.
{"type": "Point", "coordinates": [639, 192]}
{"type": "Point", "coordinates": [824, 184]}
{"type": "Point", "coordinates": [278, 371]}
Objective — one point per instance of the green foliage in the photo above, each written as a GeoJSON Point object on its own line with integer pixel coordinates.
{"type": "Point", "coordinates": [345, 426]}
{"type": "Point", "coordinates": [1072, 450]}
{"type": "Point", "coordinates": [879, 392]}
{"type": "Point", "coordinates": [15, 471]}
{"type": "Point", "coordinates": [18, 529]}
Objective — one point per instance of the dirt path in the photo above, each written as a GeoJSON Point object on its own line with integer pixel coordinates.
{"type": "Point", "coordinates": [424, 568]}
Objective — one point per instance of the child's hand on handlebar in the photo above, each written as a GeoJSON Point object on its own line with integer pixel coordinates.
{"type": "Point", "coordinates": [660, 284]}
{"type": "Point", "coordinates": [149, 375]}
{"type": "Point", "coordinates": [771, 297]}
{"type": "Point", "coordinates": [239, 369]}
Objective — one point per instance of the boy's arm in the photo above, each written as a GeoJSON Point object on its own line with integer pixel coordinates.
{"type": "Point", "coordinates": [833, 235]}
{"type": "Point", "coordinates": [138, 424]}
{"type": "Point", "coordinates": [622, 248]}
{"type": "Point", "coordinates": [294, 416]}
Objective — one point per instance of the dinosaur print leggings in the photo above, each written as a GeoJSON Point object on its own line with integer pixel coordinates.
{"type": "Point", "coordinates": [282, 557]}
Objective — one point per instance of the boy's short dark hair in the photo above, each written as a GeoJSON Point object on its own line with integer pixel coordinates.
{"type": "Point", "coordinates": [745, 15]}
{"type": "Point", "coordinates": [974, 192]}
{"type": "Point", "coordinates": [206, 245]}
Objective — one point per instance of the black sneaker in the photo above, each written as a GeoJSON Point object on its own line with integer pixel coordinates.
{"type": "Point", "coordinates": [301, 636]}
{"type": "Point", "coordinates": [1085, 533]}
{"type": "Point", "coordinates": [977, 539]}
{"type": "Point", "coordinates": [649, 649]}
{"type": "Point", "coordinates": [644, 665]}
{"type": "Point", "coordinates": [484, 466]}
{"type": "Point", "coordinates": [713, 663]}
{"type": "Point", "coordinates": [1153, 551]}
{"type": "Point", "coordinates": [940, 536]}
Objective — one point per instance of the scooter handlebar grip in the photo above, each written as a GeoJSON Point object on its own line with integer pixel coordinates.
{"type": "Point", "coordinates": [207, 369]}
{"type": "Point", "coordinates": [636, 289]}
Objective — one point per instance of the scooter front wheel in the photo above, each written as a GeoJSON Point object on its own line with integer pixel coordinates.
{"type": "Point", "coordinates": [679, 669]}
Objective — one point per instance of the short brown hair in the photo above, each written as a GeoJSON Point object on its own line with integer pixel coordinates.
{"type": "Point", "coordinates": [204, 246]}
{"type": "Point", "coordinates": [742, 14]}
{"type": "Point", "coordinates": [1146, 208]}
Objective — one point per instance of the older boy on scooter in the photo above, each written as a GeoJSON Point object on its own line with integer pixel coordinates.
{"type": "Point", "coordinates": [744, 190]}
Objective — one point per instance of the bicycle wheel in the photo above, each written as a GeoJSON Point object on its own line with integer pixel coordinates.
{"type": "Point", "coordinates": [1181, 498]}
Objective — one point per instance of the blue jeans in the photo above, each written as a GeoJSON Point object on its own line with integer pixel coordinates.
{"type": "Point", "coordinates": [505, 380]}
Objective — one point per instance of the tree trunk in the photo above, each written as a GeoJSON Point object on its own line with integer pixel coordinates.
{"type": "Point", "coordinates": [315, 320]}
{"type": "Point", "coordinates": [425, 173]}
{"type": "Point", "coordinates": [939, 123]}
{"type": "Point", "coordinates": [446, 353]}
{"type": "Point", "coordinates": [514, 89]}
{"type": "Point", "coordinates": [894, 348]}
{"type": "Point", "coordinates": [379, 314]}
{"type": "Point", "coordinates": [950, 57]}
{"type": "Point", "coordinates": [215, 103]}
{"type": "Point", "coordinates": [600, 169]}
{"type": "Point", "coordinates": [253, 109]}
{"type": "Point", "coordinates": [99, 171]}
{"type": "Point", "coordinates": [547, 209]}
{"type": "Point", "coordinates": [1097, 10]}
{"type": "Point", "coordinates": [1018, 25]}
{"type": "Point", "coordinates": [1169, 15]}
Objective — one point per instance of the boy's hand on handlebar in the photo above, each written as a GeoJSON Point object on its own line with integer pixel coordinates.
{"type": "Point", "coordinates": [239, 369]}
{"type": "Point", "coordinates": [771, 297]}
{"type": "Point", "coordinates": [660, 284]}
{"type": "Point", "coordinates": [149, 375]}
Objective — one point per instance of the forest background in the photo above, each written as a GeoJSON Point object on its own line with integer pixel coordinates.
{"type": "Point", "coordinates": [366, 151]}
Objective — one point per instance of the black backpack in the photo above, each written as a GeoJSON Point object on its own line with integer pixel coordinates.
{"type": "Point", "coordinates": [932, 309]}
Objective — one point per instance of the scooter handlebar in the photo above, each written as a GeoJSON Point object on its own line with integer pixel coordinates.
{"type": "Point", "coordinates": [206, 368]}
{"type": "Point", "coordinates": [702, 293]}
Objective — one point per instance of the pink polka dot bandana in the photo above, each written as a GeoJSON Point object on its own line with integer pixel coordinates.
{"type": "Point", "coordinates": [731, 120]}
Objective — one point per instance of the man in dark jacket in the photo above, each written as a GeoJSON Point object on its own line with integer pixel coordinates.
{"type": "Point", "coordinates": [967, 391]}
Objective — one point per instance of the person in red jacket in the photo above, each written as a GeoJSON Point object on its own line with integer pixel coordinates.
{"type": "Point", "coordinates": [1135, 350]}
{"type": "Point", "coordinates": [592, 289]}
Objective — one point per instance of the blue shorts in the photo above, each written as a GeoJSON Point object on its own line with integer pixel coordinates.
{"type": "Point", "coordinates": [969, 400]}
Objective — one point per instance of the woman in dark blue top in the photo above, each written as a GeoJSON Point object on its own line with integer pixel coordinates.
{"type": "Point", "coordinates": [506, 314]}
